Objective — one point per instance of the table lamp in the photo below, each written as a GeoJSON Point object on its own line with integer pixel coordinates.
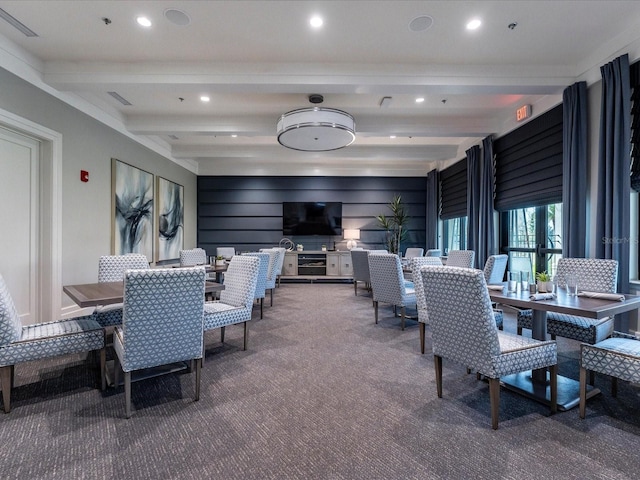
{"type": "Point", "coordinates": [352, 235]}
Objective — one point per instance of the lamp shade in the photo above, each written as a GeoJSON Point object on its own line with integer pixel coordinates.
{"type": "Point", "coordinates": [316, 129]}
{"type": "Point", "coordinates": [353, 234]}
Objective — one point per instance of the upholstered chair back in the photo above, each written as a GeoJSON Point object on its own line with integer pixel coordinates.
{"type": "Point", "coordinates": [111, 268]}
{"type": "Point", "coordinates": [495, 267]}
{"type": "Point", "coordinates": [240, 281]}
{"type": "Point", "coordinates": [162, 320]}
{"type": "Point", "coordinates": [263, 268]}
{"type": "Point", "coordinates": [413, 252]}
{"type": "Point", "coordinates": [416, 264]}
{"type": "Point", "coordinates": [195, 256]}
{"type": "Point", "coordinates": [360, 264]}
{"type": "Point", "coordinates": [594, 274]}
{"type": "Point", "coordinates": [387, 279]}
{"type": "Point", "coordinates": [433, 252]}
{"type": "Point", "coordinates": [272, 269]}
{"type": "Point", "coordinates": [10, 324]}
{"type": "Point", "coordinates": [463, 327]}
{"type": "Point", "coordinates": [280, 259]}
{"type": "Point", "coordinates": [225, 252]}
{"type": "Point", "coordinates": [461, 258]}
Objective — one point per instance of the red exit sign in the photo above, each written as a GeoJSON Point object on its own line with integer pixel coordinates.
{"type": "Point", "coordinates": [523, 112]}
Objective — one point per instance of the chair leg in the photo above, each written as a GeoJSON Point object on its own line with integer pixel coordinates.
{"type": "Point", "coordinates": [6, 374]}
{"type": "Point", "coordinates": [127, 394]}
{"type": "Point", "coordinates": [583, 391]}
{"type": "Point", "coordinates": [261, 305]}
{"type": "Point", "coordinates": [438, 364]}
{"type": "Point", "coordinates": [614, 386]}
{"type": "Point", "coordinates": [198, 368]}
{"type": "Point", "coordinates": [245, 326]}
{"type": "Point", "coordinates": [422, 335]}
{"type": "Point", "coordinates": [222, 334]}
{"type": "Point", "coordinates": [553, 388]}
{"type": "Point", "coordinates": [355, 288]}
{"type": "Point", "coordinates": [402, 316]}
{"type": "Point", "coordinates": [494, 397]}
{"type": "Point", "coordinates": [375, 309]}
{"type": "Point", "coordinates": [271, 297]}
{"type": "Point", "coordinates": [103, 368]}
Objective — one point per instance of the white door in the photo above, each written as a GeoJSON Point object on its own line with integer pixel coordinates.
{"type": "Point", "coordinates": [19, 218]}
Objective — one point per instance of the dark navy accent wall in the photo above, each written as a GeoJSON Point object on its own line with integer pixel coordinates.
{"type": "Point", "coordinates": [246, 212]}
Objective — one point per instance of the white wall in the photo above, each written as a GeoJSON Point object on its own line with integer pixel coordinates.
{"type": "Point", "coordinates": [89, 145]}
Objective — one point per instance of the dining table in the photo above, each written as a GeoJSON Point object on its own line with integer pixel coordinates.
{"type": "Point", "coordinates": [535, 384]}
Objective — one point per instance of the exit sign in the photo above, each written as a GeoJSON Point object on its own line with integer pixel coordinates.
{"type": "Point", "coordinates": [523, 112]}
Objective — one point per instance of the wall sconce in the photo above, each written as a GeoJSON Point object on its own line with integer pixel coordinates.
{"type": "Point", "coordinates": [352, 235]}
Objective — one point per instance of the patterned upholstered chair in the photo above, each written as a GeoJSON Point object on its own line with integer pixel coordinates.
{"type": "Point", "coordinates": [595, 275]}
{"type": "Point", "coordinates": [236, 300]}
{"type": "Point", "coordinates": [388, 284]}
{"type": "Point", "coordinates": [618, 357]}
{"type": "Point", "coordinates": [225, 252]}
{"type": "Point", "coordinates": [494, 268]}
{"type": "Point", "coordinates": [433, 252]}
{"type": "Point", "coordinates": [261, 285]}
{"type": "Point", "coordinates": [464, 331]}
{"type": "Point", "coordinates": [161, 322]}
{"type": "Point", "coordinates": [111, 268]}
{"type": "Point", "coordinates": [412, 252]}
{"type": "Point", "coordinates": [20, 344]}
{"type": "Point", "coordinates": [195, 256]}
{"type": "Point", "coordinates": [276, 261]}
{"type": "Point", "coordinates": [423, 318]}
{"type": "Point", "coordinates": [461, 258]}
{"type": "Point", "coordinates": [360, 263]}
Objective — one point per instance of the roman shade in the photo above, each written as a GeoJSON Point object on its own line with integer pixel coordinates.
{"type": "Point", "coordinates": [453, 191]}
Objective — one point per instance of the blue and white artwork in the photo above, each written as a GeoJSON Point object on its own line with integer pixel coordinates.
{"type": "Point", "coordinates": [170, 207]}
{"type": "Point", "coordinates": [132, 210]}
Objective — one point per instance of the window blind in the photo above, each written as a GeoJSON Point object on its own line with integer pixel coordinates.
{"type": "Point", "coordinates": [528, 163]}
{"type": "Point", "coordinates": [453, 191]}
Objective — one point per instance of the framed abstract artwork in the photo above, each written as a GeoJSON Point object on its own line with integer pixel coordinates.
{"type": "Point", "coordinates": [170, 225]}
{"type": "Point", "coordinates": [132, 210]}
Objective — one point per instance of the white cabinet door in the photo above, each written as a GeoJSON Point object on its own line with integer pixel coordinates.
{"type": "Point", "coordinates": [346, 268]}
{"type": "Point", "coordinates": [290, 265]}
{"type": "Point", "coordinates": [333, 264]}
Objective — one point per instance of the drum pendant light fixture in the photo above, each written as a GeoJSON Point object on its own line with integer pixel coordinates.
{"type": "Point", "coordinates": [316, 129]}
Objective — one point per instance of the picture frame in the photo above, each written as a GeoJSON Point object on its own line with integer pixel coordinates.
{"type": "Point", "coordinates": [170, 219]}
{"type": "Point", "coordinates": [131, 210]}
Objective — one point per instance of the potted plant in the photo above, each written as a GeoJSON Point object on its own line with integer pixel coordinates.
{"type": "Point", "coordinates": [394, 225]}
{"type": "Point", "coordinates": [544, 282]}
{"type": "Point", "coordinates": [220, 261]}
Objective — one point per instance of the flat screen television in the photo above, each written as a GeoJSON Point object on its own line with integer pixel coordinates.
{"type": "Point", "coordinates": [312, 218]}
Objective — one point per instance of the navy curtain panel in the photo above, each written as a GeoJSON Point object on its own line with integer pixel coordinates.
{"type": "Point", "coordinates": [574, 170]}
{"type": "Point", "coordinates": [613, 210]}
{"type": "Point", "coordinates": [432, 209]}
{"type": "Point", "coordinates": [486, 237]}
{"type": "Point", "coordinates": [473, 200]}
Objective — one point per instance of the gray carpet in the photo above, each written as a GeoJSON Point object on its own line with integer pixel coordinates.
{"type": "Point", "coordinates": [322, 393]}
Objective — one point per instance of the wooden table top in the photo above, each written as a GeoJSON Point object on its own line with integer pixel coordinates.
{"type": "Point", "coordinates": [106, 293]}
{"type": "Point", "coordinates": [579, 306]}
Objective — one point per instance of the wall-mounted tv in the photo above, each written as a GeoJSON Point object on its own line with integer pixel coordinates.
{"type": "Point", "coordinates": [312, 218]}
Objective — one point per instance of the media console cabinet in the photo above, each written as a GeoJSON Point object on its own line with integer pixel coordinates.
{"type": "Point", "coordinates": [317, 265]}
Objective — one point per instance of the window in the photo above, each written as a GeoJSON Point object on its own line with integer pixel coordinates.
{"type": "Point", "coordinates": [455, 234]}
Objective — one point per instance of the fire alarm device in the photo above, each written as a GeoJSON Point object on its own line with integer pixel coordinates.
{"type": "Point", "coordinates": [84, 176]}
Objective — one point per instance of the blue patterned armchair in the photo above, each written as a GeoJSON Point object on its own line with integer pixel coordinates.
{"type": "Point", "coordinates": [464, 331]}
{"type": "Point", "coordinates": [162, 322]}
{"type": "Point", "coordinates": [276, 260]}
{"type": "Point", "coordinates": [193, 257]}
{"type": "Point", "coordinates": [617, 357]}
{"type": "Point", "coordinates": [236, 300]}
{"type": "Point", "coordinates": [20, 343]}
{"type": "Point", "coordinates": [360, 263]}
{"type": "Point", "coordinates": [421, 302]}
{"type": "Point", "coordinates": [461, 258]}
{"type": "Point", "coordinates": [595, 275]}
{"type": "Point", "coordinates": [388, 284]}
{"type": "Point", "coordinates": [111, 268]}
{"type": "Point", "coordinates": [433, 252]}
{"type": "Point", "coordinates": [261, 285]}
{"type": "Point", "coordinates": [494, 268]}
{"type": "Point", "coordinates": [412, 252]}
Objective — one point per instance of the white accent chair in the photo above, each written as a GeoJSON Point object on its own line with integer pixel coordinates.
{"type": "Point", "coordinates": [464, 330]}
{"type": "Point", "coordinates": [423, 317]}
{"type": "Point", "coordinates": [461, 258]}
{"type": "Point", "coordinates": [161, 322]}
{"type": "Point", "coordinates": [225, 252]}
{"type": "Point", "coordinates": [261, 284]}
{"type": "Point", "coordinates": [412, 252]}
{"type": "Point", "coordinates": [494, 268]}
{"type": "Point", "coordinates": [433, 252]}
{"type": "Point", "coordinates": [388, 284]}
{"type": "Point", "coordinates": [193, 257]}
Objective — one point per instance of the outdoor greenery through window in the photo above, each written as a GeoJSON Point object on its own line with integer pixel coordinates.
{"type": "Point", "coordinates": [454, 234]}
{"type": "Point", "coordinates": [532, 237]}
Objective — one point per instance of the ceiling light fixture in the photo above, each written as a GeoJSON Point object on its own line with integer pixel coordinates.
{"type": "Point", "coordinates": [143, 21]}
{"type": "Point", "coordinates": [474, 24]}
{"type": "Point", "coordinates": [419, 99]}
{"type": "Point", "coordinates": [204, 98]}
{"type": "Point", "coordinates": [316, 21]}
{"type": "Point", "coordinates": [316, 129]}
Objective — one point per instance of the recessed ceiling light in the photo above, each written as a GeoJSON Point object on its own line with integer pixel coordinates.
{"type": "Point", "coordinates": [234, 136]}
{"type": "Point", "coordinates": [473, 24]}
{"type": "Point", "coordinates": [392, 136]}
{"type": "Point", "coordinates": [144, 21]}
{"type": "Point", "coordinates": [316, 21]}
{"type": "Point", "coordinates": [419, 99]}
{"type": "Point", "coordinates": [204, 98]}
